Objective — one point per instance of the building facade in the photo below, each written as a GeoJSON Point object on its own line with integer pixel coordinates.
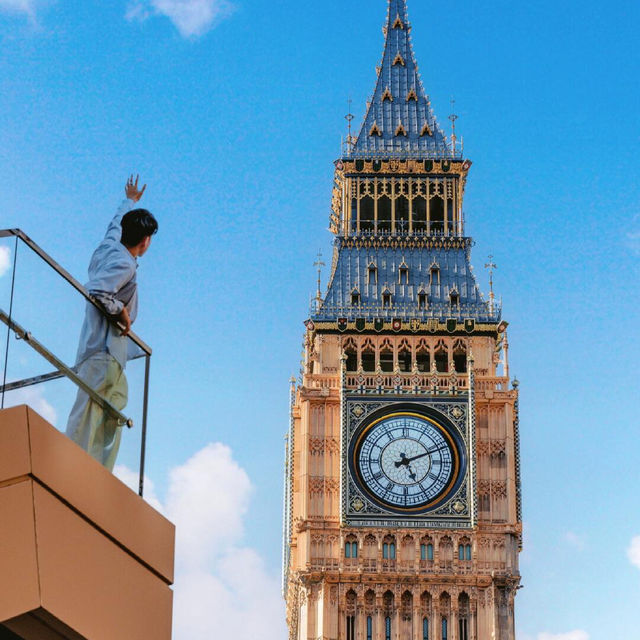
{"type": "Point", "coordinates": [402, 491]}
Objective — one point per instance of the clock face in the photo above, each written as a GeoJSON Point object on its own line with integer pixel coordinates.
{"type": "Point", "coordinates": [406, 461]}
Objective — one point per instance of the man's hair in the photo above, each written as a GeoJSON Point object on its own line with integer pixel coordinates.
{"type": "Point", "coordinates": [137, 225]}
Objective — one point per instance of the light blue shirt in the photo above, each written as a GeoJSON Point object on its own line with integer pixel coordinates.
{"type": "Point", "coordinates": [112, 282]}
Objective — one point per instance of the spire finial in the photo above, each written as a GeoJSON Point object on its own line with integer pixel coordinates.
{"type": "Point", "coordinates": [349, 118]}
{"type": "Point", "coordinates": [491, 266]}
{"type": "Point", "coordinates": [453, 117]}
{"type": "Point", "coordinates": [319, 263]}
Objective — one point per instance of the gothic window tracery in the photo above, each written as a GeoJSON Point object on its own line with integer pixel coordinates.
{"type": "Point", "coordinates": [460, 357]}
{"type": "Point", "coordinates": [351, 352]}
{"type": "Point", "coordinates": [441, 358]}
{"type": "Point", "coordinates": [422, 357]}
{"type": "Point", "coordinates": [368, 357]}
{"type": "Point", "coordinates": [372, 274]}
{"type": "Point", "coordinates": [403, 273]}
{"type": "Point", "coordinates": [386, 357]}
{"type": "Point", "coordinates": [404, 357]}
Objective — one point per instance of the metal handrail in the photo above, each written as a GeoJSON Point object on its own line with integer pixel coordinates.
{"type": "Point", "coordinates": [7, 233]}
{"type": "Point", "coordinates": [69, 372]}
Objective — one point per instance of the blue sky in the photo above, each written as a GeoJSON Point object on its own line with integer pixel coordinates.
{"type": "Point", "coordinates": [233, 115]}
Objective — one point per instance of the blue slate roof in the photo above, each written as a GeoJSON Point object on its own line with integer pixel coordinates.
{"type": "Point", "coordinates": [452, 272]}
{"type": "Point", "coordinates": [399, 103]}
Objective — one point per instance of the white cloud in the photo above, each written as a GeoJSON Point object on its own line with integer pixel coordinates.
{"type": "Point", "coordinates": [633, 552]}
{"type": "Point", "coordinates": [131, 479]}
{"type": "Point", "coordinates": [35, 399]}
{"type": "Point", "coordinates": [571, 635]}
{"type": "Point", "coordinates": [191, 17]}
{"type": "Point", "coordinates": [575, 540]}
{"type": "Point", "coordinates": [26, 7]}
{"type": "Point", "coordinates": [222, 587]}
{"type": "Point", "coordinates": [5, 257]}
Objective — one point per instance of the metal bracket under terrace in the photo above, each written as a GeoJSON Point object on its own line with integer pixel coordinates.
{"type": "Point", "coordinates": [62, 369]}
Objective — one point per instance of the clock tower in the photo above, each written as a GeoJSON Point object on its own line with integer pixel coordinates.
{"type": "Point", "coordinates": [402, 485]}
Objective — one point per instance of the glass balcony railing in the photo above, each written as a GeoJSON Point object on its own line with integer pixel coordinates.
{"type": "Point", "coordinates": [42, 309]}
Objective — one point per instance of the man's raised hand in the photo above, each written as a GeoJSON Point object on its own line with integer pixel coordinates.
{"type": "Point", "coordinates": [131, 189]}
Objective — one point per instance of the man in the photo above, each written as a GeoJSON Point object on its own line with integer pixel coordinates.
{"type": "Point", "coordinates": [104, 347]}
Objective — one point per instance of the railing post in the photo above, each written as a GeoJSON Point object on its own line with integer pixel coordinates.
{"type": "Point", "coordinates": [145, 406]}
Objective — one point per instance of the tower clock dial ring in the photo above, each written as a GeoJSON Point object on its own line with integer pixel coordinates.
{"type": "Point", "coordinates": [406, 462]}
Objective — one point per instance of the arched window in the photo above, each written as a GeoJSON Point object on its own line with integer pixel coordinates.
{"type": "Point", "coordinates": [422, 358]}
{"type": "Point", "coordinates": [403, 274]}
{"type": "Point", "coordinates": [464, 632]}
{"type": "Point", "coordinates": [402, 214]}
{"type": "Point", "coordinates": [426, 551]}
{"type": "Point", "coordinates": [389, 550]}
{"type": "Point", "coordinates": [404, 358]}
{"type": "Point", "coordinates": [368, 358]}
{"type": "Point", "coordinates": [425, 629]}
{"type": "Point", "coordinates": [460, 358]}
{"type": "Point", "coordinates": [422, 299]}
{"type": "Point", "coordinates": [355, 297]}
{"type": "Point", "coordinates": [384, 214]}
{"type": "Point", "coordinates": [442, 363]}
{"type": "Point", "coordinates": [436, 214]}
{"type": "Point", "coordinates": [351, 628]}
{"type": "Point", "coordinates": [352, 356]}
{"type": "Point", "coordinates": [386, 358]}
{"type": "Point", "coordinates": [419, 215]}
{"type": "Point", "coordinates": [454, 297]}
{"type": "Point", "coordinates": [467, 552]}
{"type": "Point", "coordinates": [351, 548]}
{"type": "Point", "coordinates": [387, 628]}
{"type": "Point", "coordinates": [366, 214]}
{"type": "Point", "coordinates": [461, 552]}
{"type": "Point", "coordinates": [445, 629]}
{"type": "Point", "coordinates": [386, 299]}
{"type": "Point", "coordinates": [372, 274]}
{"type": "Point", "coordinates": [434, 275]}
{"type": "Point", "coordinates": [369, 628]}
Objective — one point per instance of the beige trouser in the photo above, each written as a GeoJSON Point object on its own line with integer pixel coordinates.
{"type": "Point", "coordinates": [89, 425]}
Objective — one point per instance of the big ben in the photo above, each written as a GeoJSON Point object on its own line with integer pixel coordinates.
{"type": "Point", "coordinates": [402, 484]}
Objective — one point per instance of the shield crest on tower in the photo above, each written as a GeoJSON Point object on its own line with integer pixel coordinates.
{"type": "Point", "coordinates": [396, 325]}
{"type": "Point", "coordinates": [452, 325]}
{"type": "Point", "coordinates": [378, 324]}
{"type": "Point", "coordinates": [342, 324]}
{"type": "Point", "coordinates": [360, 324]}
{"type": "Point", "coordinates": [469, 325]}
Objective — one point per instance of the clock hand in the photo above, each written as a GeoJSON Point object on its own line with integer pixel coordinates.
{"type": "Point", "coordinates": [406, 461]}
{"type": "Point", "coordinates": [412, 474]}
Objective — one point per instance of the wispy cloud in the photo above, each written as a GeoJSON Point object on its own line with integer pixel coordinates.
{"type": "Point", "coordinates": [576, 541]}
{"type": "Point", "coordinates": [5, 260]}
{"type": "Point", "coordinates": [34, 397]}
{"type": "Point", "coordinates": [21, 7]}
{"type": "Point", "coordinates": [633, 552]}
{"type": "Point", "coordinates": [633, 235]}
{"type": "Point", "coordinates": [192, 18]}
{"type": "Point", "coordinates": [222, 587]}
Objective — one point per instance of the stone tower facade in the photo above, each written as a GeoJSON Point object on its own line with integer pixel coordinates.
{"type": "Point", "coordinates": [402, 488]}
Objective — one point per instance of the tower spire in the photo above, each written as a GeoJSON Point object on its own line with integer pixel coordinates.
{"type": "Point", "coordinates": [399, 121]}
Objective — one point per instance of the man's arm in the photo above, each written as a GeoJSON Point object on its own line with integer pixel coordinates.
{"type": "Point", "coordinates": [114, 231]}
